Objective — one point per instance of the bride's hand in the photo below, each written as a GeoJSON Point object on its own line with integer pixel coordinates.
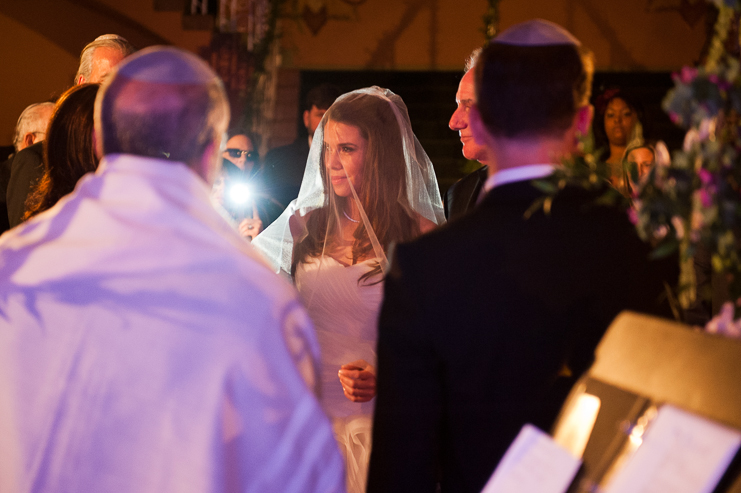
{"type": "Point", "coordinates": [358, 380]}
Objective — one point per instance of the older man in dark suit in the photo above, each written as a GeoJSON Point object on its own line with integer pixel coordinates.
{"type": "Point", "coordinates": [487, 322]}
{"type": "Point", "coordinates": [463, 195]}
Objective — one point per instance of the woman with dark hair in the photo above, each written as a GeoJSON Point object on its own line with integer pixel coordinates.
{"type": "Point", "coordinates": [68, 149]}
{"type": "Point", "coordinates": [616, 127]}
{"type": "Point", "coordinates": [368, 183]}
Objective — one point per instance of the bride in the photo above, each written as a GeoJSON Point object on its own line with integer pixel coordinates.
{"type": "Point", "coordinates": [368, 183]}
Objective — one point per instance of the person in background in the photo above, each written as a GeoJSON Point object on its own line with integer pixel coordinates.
{"type": "Point", "coordinates": [31, 126]}
{"type": "Point", "coordinates": [96, 61]}
{"type": "Point", "coordinates": [644, 157]}
{"type": "Point", "coordinates": [617, 126]}
{"type": "Point", "coordinates": [240, 188]}
{"type": "Point", "coordinates": [144, 345]}
{"type": "Point", "coordinates": [69, 151]}
{"type": "Point", "coordinates": [463, 195]}
{"type": "Point", "coordinates": [284, 166]}
{"type": "Point", "coordinates": [23, 166]}
{"type": "Point", "coordinates": [100, 56]}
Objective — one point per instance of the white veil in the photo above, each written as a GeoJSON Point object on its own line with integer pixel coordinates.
{"type": "Point", "coordinates": [419, 198]}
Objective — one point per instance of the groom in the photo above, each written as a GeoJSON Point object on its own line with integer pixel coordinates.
{"type": "Point", "coordinates": [487, 322]}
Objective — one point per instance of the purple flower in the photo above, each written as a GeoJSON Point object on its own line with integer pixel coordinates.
{"type": "Point", "coordinates": [706, 176]}
{"type": "Point", "coordinates": [706, 199]}
{"type": "Point", "coordinates": [687, 74]}
{"type": "Point", "coordinates": [633, 215]}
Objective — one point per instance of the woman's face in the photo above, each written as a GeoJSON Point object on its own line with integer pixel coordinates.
{"type": "Point", "coordinates": [644, 159]}
{"type": "Point", "coordinates": [240, 151]}
{"type": "Point", "coordinates": [619, 122]}
{"type": "Point", "coordinates": [344, 156]}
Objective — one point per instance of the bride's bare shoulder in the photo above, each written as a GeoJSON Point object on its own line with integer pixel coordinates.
{"type": "Point", "coordinates": [425, 225]}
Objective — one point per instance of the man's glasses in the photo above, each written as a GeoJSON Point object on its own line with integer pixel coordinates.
{"type": "Point", "coordinates": [237, 153]}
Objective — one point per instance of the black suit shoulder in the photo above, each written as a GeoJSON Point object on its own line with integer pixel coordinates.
{"type": "Point", "coordinates": [507, 299]}
{"type": "Point", "coordinates": [461, 197]}
{"type": "Point", "coordinates": [284, 170]}
{"type": "Point", "coordinates": [27, 168]}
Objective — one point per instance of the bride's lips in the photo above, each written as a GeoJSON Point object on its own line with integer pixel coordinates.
{"type": "Point", "coordinates": [337, 179]}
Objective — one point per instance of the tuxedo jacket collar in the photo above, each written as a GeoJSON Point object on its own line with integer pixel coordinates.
{"type": "Point", "coordinates": [526, 192]}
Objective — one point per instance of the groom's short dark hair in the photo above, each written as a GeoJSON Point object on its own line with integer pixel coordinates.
{"type": "Point", "coordinates": [528, 91]}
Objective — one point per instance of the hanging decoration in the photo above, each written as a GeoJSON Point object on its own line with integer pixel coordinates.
{"type": "Point", "coordinates": [314, 14]}
{"type": "Point", "coordinates": [244, 38]}
{"type": "Point", "coordinates": [491, 19]}
{"type": "Point", "coordinates": [692, 11]}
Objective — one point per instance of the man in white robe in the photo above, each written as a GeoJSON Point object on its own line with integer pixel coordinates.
{"type": "Point", "coordinates": [143, 344]}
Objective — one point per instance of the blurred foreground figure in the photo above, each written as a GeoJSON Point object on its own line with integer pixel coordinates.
{"type": "Point", "coordinates": [473, 346]}
{"type": "Point", "coordinates": [143, 346]}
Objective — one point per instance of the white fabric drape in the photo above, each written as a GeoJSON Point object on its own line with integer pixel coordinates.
{"type": "Point", "coordinates": [145, 347]}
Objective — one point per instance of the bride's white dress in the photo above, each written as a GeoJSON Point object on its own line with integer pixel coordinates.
{"type": "Point", "coordinates": [345, 313]}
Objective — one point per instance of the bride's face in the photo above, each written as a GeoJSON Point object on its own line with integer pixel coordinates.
{"type": "Point", "coordinates": [344, 156]}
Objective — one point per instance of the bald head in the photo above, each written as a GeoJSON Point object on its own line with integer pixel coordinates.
{"type": "Point", "coordinates": [100, 56]}
{"type": "Point", "coordinates": [31, 126]}
{"type": "Point", "coordinates": [531, 80]}
{"type": "Point", "coordinates": [163, 103]}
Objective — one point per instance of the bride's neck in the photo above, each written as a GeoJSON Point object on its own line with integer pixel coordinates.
{"type": "Point", "coordinates": [351, 210]}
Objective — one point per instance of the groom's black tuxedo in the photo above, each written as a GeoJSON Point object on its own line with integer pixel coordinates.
{"type": "Point", "coordinates": [483, 321]}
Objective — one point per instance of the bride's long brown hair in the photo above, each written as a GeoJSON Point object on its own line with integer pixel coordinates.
{"type": "Point", "coordinates": [383, 193]}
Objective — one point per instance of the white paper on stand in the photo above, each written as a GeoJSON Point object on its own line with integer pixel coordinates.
{"type": "Point", "coordinates": [573, 434]}
{"type": "Point", "coordinates": [681, 452]}
{"type": "Point", "coordinates": [534, 463]}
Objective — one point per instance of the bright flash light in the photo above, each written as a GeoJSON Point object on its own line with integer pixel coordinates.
{"type": "Point", "coordinates": [239, 193]}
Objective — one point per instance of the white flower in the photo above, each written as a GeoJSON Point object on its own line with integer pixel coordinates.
{"type": "Point", "coordinates": [723, 323]}
{"type": "Point", "coordinates": [691, 138]}
{"type": "Point", "coordinates": [661, 232]}
{"type": "Point", "coordinates": [663, 158]}
{"type": "Point", "coordinates": [678, 226]}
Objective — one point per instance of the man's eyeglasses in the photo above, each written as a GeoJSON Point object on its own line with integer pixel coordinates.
{"type": "Point", "coordinates": [237, 153]}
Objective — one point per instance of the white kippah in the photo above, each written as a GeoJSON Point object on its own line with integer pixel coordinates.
{"type": "Point", "coordinates": [166, 65]}
{"type": "Point", "coordinates": [536, 32]}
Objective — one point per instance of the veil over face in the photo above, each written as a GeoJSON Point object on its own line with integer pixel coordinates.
{"type": "Point", "coordinates": [391, 192]}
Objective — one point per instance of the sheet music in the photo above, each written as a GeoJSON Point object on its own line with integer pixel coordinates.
{"type": "Point", "coordinates": [681, 452]}
{"type": "Point", "coordinates": [534, 463]}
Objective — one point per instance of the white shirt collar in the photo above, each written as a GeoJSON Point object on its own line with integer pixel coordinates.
{"type": "Point", "coordinates": [519, 173]}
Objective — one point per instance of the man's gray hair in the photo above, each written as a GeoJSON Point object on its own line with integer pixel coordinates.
{"type": "Point", "coordinates": [113, 41]}
{"type": "Point", "coordinates": [471, 60]}
{"type": "Point", "coordinates": [32, 120]}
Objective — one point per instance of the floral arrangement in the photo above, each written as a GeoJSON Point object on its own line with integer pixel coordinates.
{"type": "Point", "coordinates": [692, 201]}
